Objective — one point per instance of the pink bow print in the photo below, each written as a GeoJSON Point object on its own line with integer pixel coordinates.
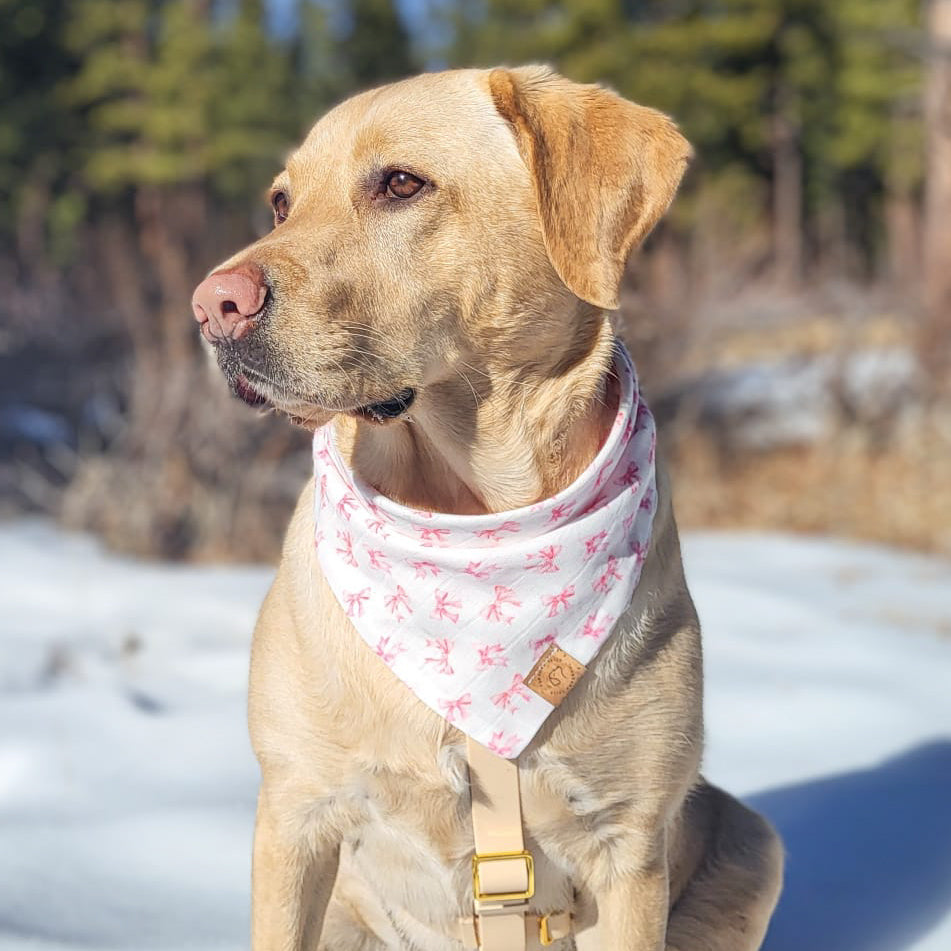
{"type": "Point", "coordinates": [386, 652]}
{"type": "Point", "coordinates": [503, 745]}
{"type": "Point", "coordinates": [397, 603]}
{"type": "Point", "coordinates": [508, 699]}
{"type": "Point", "coordinates": [492, 655]}
{"type": "Point", "coordinates": [605, 582]}
{"type": "Point", "coordinates": [544, 561]}
{"type": "Point", "coordinates": [440, 660]}
{"type": "Point", "coordinates": [456, 709]}
{"type": "Point", "coordinates": [355, 602]}
{"type": "Point", "coordinates": [559, 602]}
{"type": "Point", "coordinates": [504, 597]}
{"type": "Point", "coordinates": [446, 610]}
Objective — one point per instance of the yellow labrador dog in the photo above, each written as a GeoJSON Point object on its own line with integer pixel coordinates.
{"type": "Point", "coordinates": [440, 279]}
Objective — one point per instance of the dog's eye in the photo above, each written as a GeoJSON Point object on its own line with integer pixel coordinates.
{"type": "Point", "coordinates": [402, 185]}
{"type": "Point", "coordinates": [281, 206]}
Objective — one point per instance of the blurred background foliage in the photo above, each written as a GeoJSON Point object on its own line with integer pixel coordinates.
{"type": "Point", "coordinates": [808, 258]}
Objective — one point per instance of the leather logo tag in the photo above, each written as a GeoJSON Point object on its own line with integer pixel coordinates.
{"type": "Point", "coordinates": [554, 675]}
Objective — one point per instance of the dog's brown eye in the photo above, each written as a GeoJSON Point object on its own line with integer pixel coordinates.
{"type": "Point", "coordinates": [281, 206]}
{"type": "Point", "coordinates": [402, 185]}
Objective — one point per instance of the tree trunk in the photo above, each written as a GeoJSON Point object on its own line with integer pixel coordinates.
{"type": "Point", "coordinates": [936, 330]}
{"type": "Point", "coordinates": [832, 247]}
{"type": "Point", "coordinates": [787, 194]}
{"type": "Point", "coordinates": [902, 236]}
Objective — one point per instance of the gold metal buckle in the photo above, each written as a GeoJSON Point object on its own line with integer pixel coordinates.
{"type": "Point", "coordinates": [477, 892]}
{"type": "Point", "coordinates": [544, 934]}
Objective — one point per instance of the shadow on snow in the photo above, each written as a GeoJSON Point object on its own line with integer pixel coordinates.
{"type": "Point", "coordinates": [868, 854]}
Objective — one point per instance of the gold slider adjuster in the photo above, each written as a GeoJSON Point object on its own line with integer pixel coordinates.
{"type": "Point", "coordinates": [544, 934]}
{"type": "Point", "coordinates": [478, 860]}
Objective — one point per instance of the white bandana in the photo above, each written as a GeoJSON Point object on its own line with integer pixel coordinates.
{"type": "Point", "coordinates": [461, 607]}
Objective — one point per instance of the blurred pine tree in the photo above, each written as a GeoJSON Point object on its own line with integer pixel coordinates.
{"type": "Point", "coordinates": [376, 45]}
{"type": "Point", "coordinates": [252, 111]}
{"type": "Point", "coordinates": [136, 135]}
{"type": "Point", "coordinates": [38, 132]}
{"type": "Point", "coordinates": [802, 100]}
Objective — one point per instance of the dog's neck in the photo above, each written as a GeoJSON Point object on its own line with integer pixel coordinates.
{"type": "Point", "coordinates": [495, 439]}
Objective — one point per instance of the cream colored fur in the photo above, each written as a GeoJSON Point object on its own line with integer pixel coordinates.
{"type": "Point", "coordinates": [487, 295]}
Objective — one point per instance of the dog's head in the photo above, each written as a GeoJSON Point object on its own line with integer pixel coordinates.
{"type": "Point", "coordinates": [453, 217]}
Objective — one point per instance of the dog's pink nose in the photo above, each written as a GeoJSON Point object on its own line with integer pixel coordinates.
{"type": "Point", "coordinates": [226, 303]}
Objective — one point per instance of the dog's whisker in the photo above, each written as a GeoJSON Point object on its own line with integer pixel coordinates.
{"type": "Point", "coordinates": [501, 381]}
{"type": "Point", "coordinates": [475, 396]}
{"type": "Point", "coordinates": [377, 335]}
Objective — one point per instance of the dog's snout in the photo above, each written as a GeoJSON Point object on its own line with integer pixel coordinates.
{"type": "Point", "coordinates": [227, 303]}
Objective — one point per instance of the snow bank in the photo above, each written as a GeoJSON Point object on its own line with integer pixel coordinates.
{"type": "Point", "coordinates": [127, 785]}
{"type": "Point", "coordinates": [799, 400]}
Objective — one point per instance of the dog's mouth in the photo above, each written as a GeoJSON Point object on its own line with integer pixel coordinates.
{"type": "Point", "coordinates": [392, 408]}
{"type": "Point", "coordinates": [242, 388]}
{"type": "Point", "coordinates": [377, 412]}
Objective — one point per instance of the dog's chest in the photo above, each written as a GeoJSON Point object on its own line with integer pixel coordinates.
{"type": "Point", "coordinates": [407, 843]}
{"type": "Point", "coordinates": [400, 773]}
{"type": "Point", "coordinates": [412, 844]}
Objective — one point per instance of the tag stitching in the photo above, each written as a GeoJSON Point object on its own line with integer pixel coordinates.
{"type": "Point", "coordinates": [554, 675]}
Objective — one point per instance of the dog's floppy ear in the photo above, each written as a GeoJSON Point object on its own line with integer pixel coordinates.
{"type": "Point", "coordinates": [604, 171]}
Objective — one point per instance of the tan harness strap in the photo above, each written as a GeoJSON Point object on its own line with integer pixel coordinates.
{"type": "Point", "coordinates": [540, 930]}
{"type": "Point", "coordinates": [503, 874]}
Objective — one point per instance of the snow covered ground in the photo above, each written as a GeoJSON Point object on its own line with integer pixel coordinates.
{"type": "Point", "coordinates": [127, 785]}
